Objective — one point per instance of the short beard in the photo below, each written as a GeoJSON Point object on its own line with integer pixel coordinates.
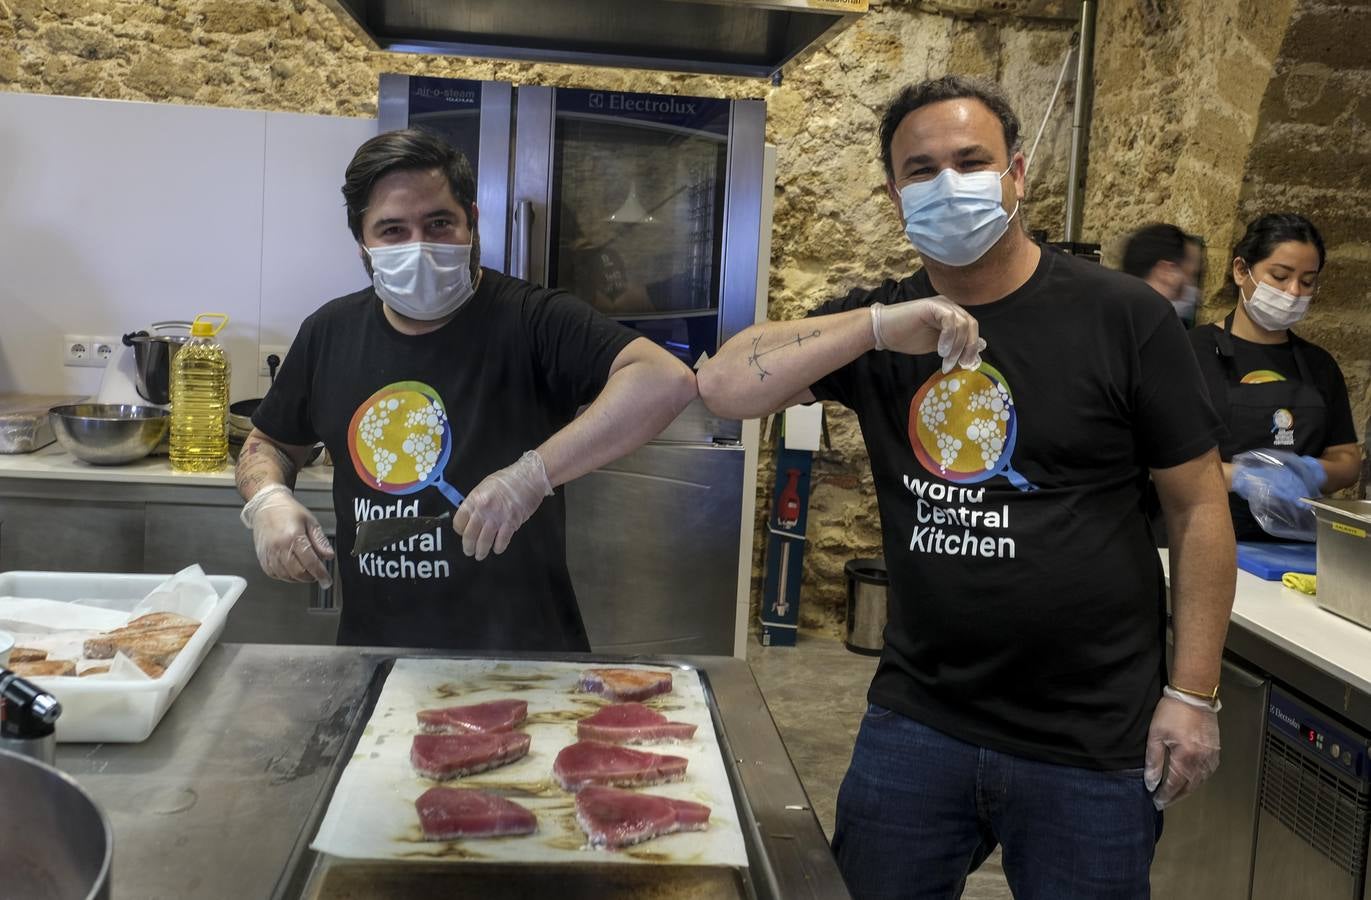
{"type": "Point", "coordinates": [475, 253]}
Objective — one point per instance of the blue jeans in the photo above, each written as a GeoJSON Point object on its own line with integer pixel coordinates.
{"type": "Point", "coordinates": [918, 811]}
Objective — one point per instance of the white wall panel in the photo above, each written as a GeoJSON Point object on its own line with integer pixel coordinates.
{"type": "Point", "coordinates": [116, 214]}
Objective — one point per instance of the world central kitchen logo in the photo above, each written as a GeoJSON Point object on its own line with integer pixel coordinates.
{"type": "Point", "coordinates": [638, 103]}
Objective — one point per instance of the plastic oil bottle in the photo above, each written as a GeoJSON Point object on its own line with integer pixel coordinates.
{"type": "Point", "coordinates": [199, 399]}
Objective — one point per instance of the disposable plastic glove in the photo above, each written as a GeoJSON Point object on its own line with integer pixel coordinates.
{"type": "Point", "coordinates": [1182, 746]}
{"type": "Point", "coordinates": [290, 544]}
{"type": "Point", "coordinates": [1311, 470]}
{"type": "Point", "coordinates": [500, 504]}
{"type": "Point", "coordinates": [931, 323]}
{"type": "Point", "coordinates": [1279, 473]}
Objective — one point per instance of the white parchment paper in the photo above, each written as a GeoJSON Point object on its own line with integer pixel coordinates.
{"type": "Point", "coordinates": [372, 815]}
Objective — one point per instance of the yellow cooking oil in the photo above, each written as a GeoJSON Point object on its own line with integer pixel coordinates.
{"type": "Point", "coordinates": [199, 399]}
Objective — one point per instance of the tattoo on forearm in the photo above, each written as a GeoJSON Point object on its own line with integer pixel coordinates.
{"type": "Point", "coordinates": [256, 461]}
{"type": "Point", "coordinates": [755, 358]}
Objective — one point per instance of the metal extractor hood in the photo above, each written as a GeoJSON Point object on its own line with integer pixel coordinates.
{"type": "Point", "coordinates": [728, 37]}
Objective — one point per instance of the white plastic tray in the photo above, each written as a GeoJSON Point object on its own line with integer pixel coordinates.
{"type": "Point", "coordinates": [121, 712]}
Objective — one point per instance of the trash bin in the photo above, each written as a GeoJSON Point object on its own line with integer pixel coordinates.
{"type": "Point", "coordinates": [867, 584]}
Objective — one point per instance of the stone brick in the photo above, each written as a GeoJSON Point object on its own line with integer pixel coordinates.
{"type": "Point", "coordinates": [1284, 158]}
{"type": "Point", "coordinates": [1312, 92]}
{"type": "Point", "coordinates": [975, 49]}
{"type": "Point", "coordinates": [75, 78]}
{"type": "Point", "coordinates": [1238, 84]}
{"type": "Point", "coordinates": [81, 40]}
{"type": "Point", "coordinates": [1342, 286]}
{"type": "Point", "coordinates": [1333, 36]}
{"type": "Point", "coordinates": [9, 67]}
{"type": "Point", "coordinates": [240, 16]}
{"type": "Point", "coordinates": [1361, 110]}
{"type": "Point", "coordinates": [159, 78]}
{"type": "Point", "coordinates": [253, 46]}
{"type": "Point", "coordinates": [72, 9]}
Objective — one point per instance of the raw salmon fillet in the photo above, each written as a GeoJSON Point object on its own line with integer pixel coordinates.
{"type": "Point", "coordinates": [631, 723]}
{"type": "Point", "coordinates": [443, 756]}
{"type": "Point", "coordinates": [625, 685]}
{"type": "Point", "coordinates": [592, 762]}
{"type": "Point", "coordinates": [446, 813]}
{"type": "Point", "coordinates": [497, 715]}
{"type": "Point", "coordinates": [613, 818]}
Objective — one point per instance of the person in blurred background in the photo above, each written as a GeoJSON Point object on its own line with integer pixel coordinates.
{"type": "Point", "coordinates": [1168, 259]}
{"type": "Point", "coordinates": [1277, 393]}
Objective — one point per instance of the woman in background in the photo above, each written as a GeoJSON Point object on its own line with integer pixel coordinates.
{"type": "Point", "coordinates": [1275, 390]}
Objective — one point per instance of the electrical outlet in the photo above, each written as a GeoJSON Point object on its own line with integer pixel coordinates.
{"type": "Point", "coordinates": [77, 351]}
{"type": "Point", "coordinates": [85, 350]}
{"type": "Point", "coordinates": [104, 347]}
{"type": "Point", "coordinates": [264, 353]}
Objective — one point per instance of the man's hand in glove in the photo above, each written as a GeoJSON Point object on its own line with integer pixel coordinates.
{"type": "Point", "coordinates": [500, 504]}
{"type": "Point", "coordinates": [1182, 747]}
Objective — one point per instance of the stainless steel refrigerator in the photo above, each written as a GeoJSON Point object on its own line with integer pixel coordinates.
{"type": "Point", "coordinates": [656, 210]}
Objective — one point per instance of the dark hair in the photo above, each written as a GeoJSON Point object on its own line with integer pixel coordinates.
{"type": "Point", "coordinates": [936, 90]}
{"type": "Point", "coordinates": [400, 151]}
{"type": "Point", "coordinates": [1151, 244]}
{"type": "Point", "coordinates": [1265, 233]}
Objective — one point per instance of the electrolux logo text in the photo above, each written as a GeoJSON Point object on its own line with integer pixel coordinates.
{"type": "Point", "coordinates": [624, 103]}
{"type": "Point", "coordinates": [1283, 716]}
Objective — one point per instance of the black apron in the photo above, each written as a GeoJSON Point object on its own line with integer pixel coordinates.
{"type": "Point", "coordinates": [1282, 415]}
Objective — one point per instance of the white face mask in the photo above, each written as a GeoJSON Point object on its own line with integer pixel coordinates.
{"type": "Point", "coordinates": [1186, 302]}
{"type": "Point", "coordinates": [421, 280]}
{"type": "Point", "coordinates": [1272, 308]}
{"type": "Point", "coordinates": [955, 218]}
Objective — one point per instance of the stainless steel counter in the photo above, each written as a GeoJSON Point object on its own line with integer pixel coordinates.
{"type": "Point", "coordinates": [216, 801]}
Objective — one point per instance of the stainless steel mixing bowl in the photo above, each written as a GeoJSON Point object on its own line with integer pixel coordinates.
{"type": "Point", "coordinates": [108, 434]}
{"type": "Point", "coordinates": [55, 843]}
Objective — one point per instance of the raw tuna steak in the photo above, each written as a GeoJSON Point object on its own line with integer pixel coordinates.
{"type": "Point", "coordinates": [624, 685]}
{"type": "Point", "coordinates": [446, 813]}
{"type": "Point", "coordinates": [613, 818]}
{"type": "Point", "coordinates": [631, 723]}
{"type": "Point", "coordinates": [442, 756]}
{"type": "Point", "coordinates": [497, 715]}
{"type": "Point", "coordinates": [593, 762]}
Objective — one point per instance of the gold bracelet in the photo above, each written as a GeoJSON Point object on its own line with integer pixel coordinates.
{"type": "Point", "coordinates": [1207, 696]}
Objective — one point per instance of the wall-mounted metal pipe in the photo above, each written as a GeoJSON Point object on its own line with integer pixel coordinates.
{"type": "Point", "coordinates": [1080, 122]}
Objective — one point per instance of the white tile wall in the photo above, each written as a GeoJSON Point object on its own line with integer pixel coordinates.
{"type": "Point", "coordinates": [115, 214]}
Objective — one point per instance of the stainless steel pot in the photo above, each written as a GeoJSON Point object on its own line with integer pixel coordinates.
{"type": "Point", "coordinates": [55, 843]}
{"type": "Point", "coordinates": [152, 355]}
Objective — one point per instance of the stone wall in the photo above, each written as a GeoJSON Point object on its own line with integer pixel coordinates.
{"type": "Point", "coordinates": [1209, 113]}
{"type": "Point", "coordinates": [1312, 154]}
{"type": "Point", "coordinates": [1184, 87]}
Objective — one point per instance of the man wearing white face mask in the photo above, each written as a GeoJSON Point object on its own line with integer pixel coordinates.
{"type": "Point", "coordinates": [1168, 259]}
{"type": "Point", "coordinates": [1013, 401]}
{"type": "Point", "coordinates": [1275, 390]}
{"type": "Point", "coordinates": [442, 379]}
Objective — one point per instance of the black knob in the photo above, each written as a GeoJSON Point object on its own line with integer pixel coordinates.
{"type": "Point", "coordinates": [25, 709]}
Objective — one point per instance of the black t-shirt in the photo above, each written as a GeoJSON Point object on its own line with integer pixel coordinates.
{"type": "Point", "coordinates": [508, 371]}
{"type": "Point", "coordinates": [1026, 607]}
{"type": "Point", "coordinates": [1267, 380]}
{"type": "Point", "coordinates": [1260, 363]}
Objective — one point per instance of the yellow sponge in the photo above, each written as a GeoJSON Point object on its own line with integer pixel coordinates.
{"type": "Point", "coordinates": [1305, 584]}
